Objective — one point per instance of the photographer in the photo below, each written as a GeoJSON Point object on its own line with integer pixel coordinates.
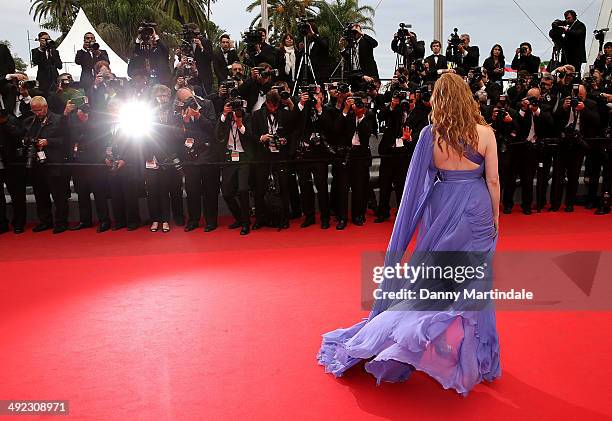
{"type": "Point", "coordinates": [519, 89]}
{"type": "Point", "coordinates": [354, 128]}
{"type": "Point", "coordinates": [524, 60]}
{"type": "Point", "coordinates": [404, 121]}
{"type": "Point", "coordinates": [254, 90]}
{"type": "Point", "coordinates": [399, 82]}
{"type": "Point", "coordinates": [45, 136]}
{"type": "Point", "coordinates": [18, 93]}
{"type": "Point", "coordinates": [272, 127]}
{"type": "Point", "coordinates": [64, 91]}
{"type": "Point", "coordinates": [7, 68]}
{"type": "Point", "coordinates": [462, 54]}
{"type": "Point", "coordinates": [123, 159]}
{"type": "Point", "coordinates": [536, 123]}
{"type": "Point", "coordinates": [163, 178]}
{"type": "Point", "coordinates": [311, 131]}
{"type": "Point", "coordinates": [318, 48]}
{"type": "Point", "coordinates": [186, 75]}
{"type": "Point", "coordinates": [234, 131]}
{"type": "Point", "coordinates": [437, 63]}
{"type": "Point", "coordinates": [258, 51]}
{"type": "Point", "coordinates": [201, 49]}
{"type": "Point", "coordinates": [105, 87]}
{"type": "Point", "coordinates": [359, 55]}
{"type": "Point", "coordinates": [48, 60]}
{"type": "Point", "coordinates": [570, 35]}
{"type": "Point", "coordinates": [87, 58]}
{"type": "Point", "coordinates": [224, 57]}
{"type": "Point", "coordinates": [405, 44]}
{"type": "Point", "coordinates": [197, 122]}
{"type": "Point", "coordinates": [577, 119]}
{"type": "Point", "coordinates": [495, 64]}
{"type": "Point", "coordinates": [150, 55]}
{"type": "Point", "coordinates": [86, 145]}
{"type": "Point", "coordinates": [14, 176]}
{"type": "Point", "coordinates": [603, 62]}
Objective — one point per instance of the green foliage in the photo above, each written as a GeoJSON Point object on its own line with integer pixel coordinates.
{"type": "Point", "coordinates": [20, 65]}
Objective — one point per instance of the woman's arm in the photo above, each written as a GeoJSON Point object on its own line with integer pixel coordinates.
{"type": "Point", "coordinates": [491, 170]}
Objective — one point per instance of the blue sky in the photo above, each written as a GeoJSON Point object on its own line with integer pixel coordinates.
{"type": "Point", "coordinates": [488, 22]}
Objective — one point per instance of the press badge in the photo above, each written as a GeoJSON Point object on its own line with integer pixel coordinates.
{"type": "Point", "coordinates": [41, 155]}
{"type": "Point", "coordinates": [235, 156]}
{"type": "Point", "coordinates": [189, 142]}
{"type": "Point", "coordinates": [399, 142]}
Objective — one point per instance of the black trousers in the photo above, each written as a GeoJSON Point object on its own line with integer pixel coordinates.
{"type": "Point", "coordinates": [294, 192]}
{"type": "Point", "coordinates": [88, 180]}
{"type": "Point", "coordinates": [546, 157]}
{"type": "Point", "coordinates": [596, 158]}
{"type": "Point", "coordinates": [124, 194]}
{"type": "Point", "coordinates": [355, 175]}
{"type": "Point", "coordinates": [235, 182]}
{"type": "Point", "coordinates": [392, 176]}
{"type": "Point", "coordinates": [527, 162]}
{"type": "Point", "coordinates": [569, 165]}
{"type": "Point", "coordinates": [163, 189]}
{"type": "Point", "coordinates": [202, 183]}
{"type": "Point", "coordinates": [262, 172]}
{"type": "Point", "coordinates": [307, 171]}
{"type": "Point", "coordinates": [51, 182]}
{"type": "Point", "coordinates": [15, 180]}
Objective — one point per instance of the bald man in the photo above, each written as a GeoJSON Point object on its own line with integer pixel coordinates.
{"type": "Point", "coordinates": [48, 131]}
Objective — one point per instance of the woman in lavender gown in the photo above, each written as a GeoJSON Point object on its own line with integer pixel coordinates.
{"type": "Point", "coordinates": [452, 195]}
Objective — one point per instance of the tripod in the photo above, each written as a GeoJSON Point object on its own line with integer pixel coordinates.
{"type": "Point", "coordinates": [306, 66]}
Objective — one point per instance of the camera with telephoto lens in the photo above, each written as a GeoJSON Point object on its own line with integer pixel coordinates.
{"type": "Point", "coordinates": [94, 46]}
{"type": "Point", "coordinates": [401, 94]}
{"type": "Point", "coordinates": [501, 114]}
{"type": "Point", "coordinates": [251, 38]}
{"type": "Point", "coordinates": [190, 103]}
{"type": "Point", "coordinates": [559, 22]}
{"type": "Point", "coordinates": [265, 72]}
{"type": "Point", "coordinates": [533, 101]}
{"type": "Point", "coordinates": [350, 34]}
{"type": "Point", "coordinates": [311, 90]}
{"type": "Point", "coordinates": [231, 86]}
{"type": "Point", "coordinates": [146, 31]}
{"type": "Point", "coordinates": [343, 88]}
{"type": "Point", "coordinates": [424, 93]}
{"type": "Point", "coordinates": [358, 101]}
{"type": "Point", "coordinates": [284, 95]}
{"type": "Point", "coordinates": [50, 45]}
{"type": "Point", "coordinates": [575, 99]}
{"type": "Point", "coordinates": [303, 26]}
{"type": "Point", "coordinates": [454, 40]}
{"type": "Point", "coordinates": [28, 84]}
{"type": "Point", "coordinates": [600, 34]}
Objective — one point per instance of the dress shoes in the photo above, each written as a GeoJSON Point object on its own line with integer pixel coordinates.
{"type": "Point", "coordinates": [258, 225]}
{"type": "Point", "coordinates": [245, 229]}
{"type": "Point", "coordinates": [341, 224]}
{"type": "Point", "coordinates": [569, 208]}
{"type": "Point", "coordinates": [602, 210]}
{"type": "Point", "coordinates": [42, 227]}
{"type": "Point", "coordinates": [4, 228]}
{"type": "Point", "coordinates": [527, 211]}
{"type": "Point", "coordinates": [103, 227]}
{"type": "Point", "coordinates": [359, 221]}
{"type": "Point", "coordinates": [60, 229]}
{"type": "Point", "coordinates": [190, 226]}
{"type": "Point", "coordinates": [210, 227]}
{"type": "Point", "coordinates": [235, 225]}
{"type": "Point", "coordinates": [307, 222]}
{"type": "Point", "coordinates": [325, 224]}
{"type": "Point", "coordinates": [80, 226]}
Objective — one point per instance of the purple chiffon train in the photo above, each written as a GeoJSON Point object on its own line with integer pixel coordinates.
{"type": "Point", "coordinates": [457, 348]}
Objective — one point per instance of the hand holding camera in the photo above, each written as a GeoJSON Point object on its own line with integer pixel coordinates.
{"type": "Point", "coordinates": [70, 107]}
{"type": "Point", "coordinates": [42, 143]}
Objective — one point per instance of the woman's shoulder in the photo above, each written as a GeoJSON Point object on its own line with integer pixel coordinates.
{"type": "Point", "coordinates": [485, 134]}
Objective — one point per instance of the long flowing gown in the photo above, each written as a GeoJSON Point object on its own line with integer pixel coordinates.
{"type": "Point", "coordinates": [452, 209]}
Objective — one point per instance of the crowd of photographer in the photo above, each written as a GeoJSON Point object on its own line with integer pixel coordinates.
{"type": "Point", "coordinates": [268, 131]}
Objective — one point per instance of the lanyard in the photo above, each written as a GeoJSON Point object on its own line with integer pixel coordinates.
{"type": "Point", "coordinates": [234, 134]}
{"type": "Point", "coordinates": [272, 124]}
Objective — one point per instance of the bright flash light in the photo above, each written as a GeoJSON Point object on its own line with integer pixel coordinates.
{"type": "Point", "coordinates": [135, 119]}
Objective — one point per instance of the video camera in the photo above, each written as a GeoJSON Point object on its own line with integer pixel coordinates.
{"type": "Point", "coordinates": [303, 26]}
{"type": "Point", "coordinates": [350, 34]}
{"type": "Point", "coordinates": [146, 31]}
{"type": "Point", "coordinates": [454, 39]}
{"type": "Point", "coordinates": [94, 46]}
{"type": "Point", "coordinates": [600, 35]}
{"type": "Point", "coordinates": [190, 32]}
{"type": "Point", "coordinates": [252, 38]}
{"type": "Point", "coordinates": [50, 45]}
{"type": "Point", "coordinates": [404, 31]}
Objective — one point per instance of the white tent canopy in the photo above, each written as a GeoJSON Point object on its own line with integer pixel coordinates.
{"type": "Point", "coordinates": [74, 42]}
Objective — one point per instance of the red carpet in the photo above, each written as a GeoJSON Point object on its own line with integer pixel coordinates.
{"type": "Point", "coordinates": [140, 325]}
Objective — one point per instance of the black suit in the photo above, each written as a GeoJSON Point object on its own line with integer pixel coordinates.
{"type": "Point", "coordinates": [464, 62]}
{"type": "Point", "coordinates": [574, 51]}
{"type": "Point", "coordinates": [50, 180]}
{"type": "Point", "coordinates": [529, 63]}
{"type": "Point", "coordinates": [235, 177]}
{"type": "Point", "coordinates": [7, 66]}
{"type": "Point", "coordinates": [158, 62]}
{"type": "Point", "coordinates": [48, 62]}
{"type": "Point", "coordinates": [87, 60]}
{"type": "Point", "coordinates": [220, 63]}
{"type": "Point", "coordinates": [11, 133]}
{"type": "Point", "coordinates": [319, 58]}
{"type": "Point", "coordinates": [204, 60]}
{"type": "Point", "coordinates": [355, 174]}
{"type": "Point", "coordinates": [442, 64]}
{"type": "Point", "coordinates": [261, 151]}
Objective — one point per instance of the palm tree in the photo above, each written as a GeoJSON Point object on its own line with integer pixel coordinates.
{"type": "Point", "coordinates": [333, 17]}
{"type": "Point", "coordinates": [283, 15]}
{"type": "Point", "coordinates": [54, 14]}
{"type": "Point", "coordinates": [186, 11]}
